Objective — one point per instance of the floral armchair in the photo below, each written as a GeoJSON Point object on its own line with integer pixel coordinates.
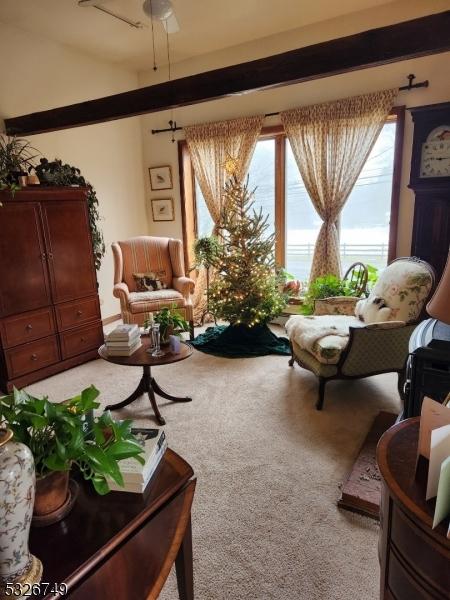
{"type": "Point", "coordinates": [350, 338]}
{"type": "Point", "coordinates": [148, 276]}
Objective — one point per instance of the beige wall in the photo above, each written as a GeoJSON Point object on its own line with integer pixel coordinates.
{"type": "Point", "coordinates": [159, 150]}
{"type": "Point", "coordinates": [37, 74]}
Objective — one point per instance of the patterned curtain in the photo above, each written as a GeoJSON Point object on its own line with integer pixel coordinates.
{"type": "Point", "coordinates": [211, 145]}
{"type": "Point", "coordinates": [331, 143]}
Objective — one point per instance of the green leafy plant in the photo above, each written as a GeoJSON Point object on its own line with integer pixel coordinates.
{"type": "Point", "coordinates": [372, 276]}
{"type": "Point", "coordinates": [64, 435]}
{"type": "Point", "coordinates": [206, 250]}
{"type": "Point", "coordinates": [170, 322]}
{"type": "Point", "coordinates": [57, 173]}
{"type": "Point", "coordinates": [16, 158]}
{"type": "Point", "coordinates": [326, 287]}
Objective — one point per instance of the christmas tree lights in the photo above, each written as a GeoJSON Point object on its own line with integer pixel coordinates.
{"type": "Point", "coordinates": [245, 290]}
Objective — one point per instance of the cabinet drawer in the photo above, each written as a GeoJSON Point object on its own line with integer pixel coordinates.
{"type": "Point", "coordinates": [402, 584]}
{"type": "Point", "coordinates": [31, 357]}
{"type": "Point", "coordinates": [27, 327]}
{"type": "Point", "coordinates": [81, 340]}
{"type": "Point", "coordinates": [430, 563]}
{"type": "Point", "coordinates": [79, 312]}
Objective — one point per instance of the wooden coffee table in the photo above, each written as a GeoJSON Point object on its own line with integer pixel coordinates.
{"type": "Point", "coordinates": [147, 384]}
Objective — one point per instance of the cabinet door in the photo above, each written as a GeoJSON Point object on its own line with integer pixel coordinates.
{"type": "Point", "coordinates": [69, 249]}
{"type": "Point", "coordinates": [23, 268]}
{"type": "Point", "coordinates": [431, 230]}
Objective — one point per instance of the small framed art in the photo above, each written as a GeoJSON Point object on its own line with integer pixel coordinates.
{"type": "Point", "coordinates": [160, 178]}
{"type": "Point", "coordinates": [162, 209]}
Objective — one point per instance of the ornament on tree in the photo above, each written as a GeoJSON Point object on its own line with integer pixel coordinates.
{"type": "Point", "coordinates": [245, 290]}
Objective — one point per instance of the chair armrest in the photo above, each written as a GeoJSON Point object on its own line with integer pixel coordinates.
{"type": "Point", "coordinates": [184, 285]}
{"type": "Point", "coordinates": [120, 290]}
{"type": "Point", "coordinates": [336, 305]}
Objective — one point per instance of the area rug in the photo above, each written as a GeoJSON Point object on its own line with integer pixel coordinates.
{"type": "Point", "coordinates": [238, 341]}
{"type": "Point", "coordinates": [268, 467]}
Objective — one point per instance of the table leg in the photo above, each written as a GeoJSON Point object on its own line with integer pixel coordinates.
{"type": "Point", "coordinates": [184, 567]}
{"type": "Point", "coordinates": [141, 388]}
{"type": "Point", "coordinates": [152, 398]}
{"type": "Point", "coordinates": [158, 390]}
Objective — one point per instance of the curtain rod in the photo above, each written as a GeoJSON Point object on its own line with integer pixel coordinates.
{"type": "Point", "coordinates": [404, 88]}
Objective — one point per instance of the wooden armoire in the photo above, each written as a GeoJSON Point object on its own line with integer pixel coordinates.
{"type": "Point", "coordinates": [49, 307]}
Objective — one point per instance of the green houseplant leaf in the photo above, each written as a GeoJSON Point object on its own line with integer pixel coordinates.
{"type": "Point", "coordinates": [58, 437]}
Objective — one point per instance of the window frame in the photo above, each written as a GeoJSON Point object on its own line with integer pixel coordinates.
{"type": "Point", "coordinates": [276, 132]}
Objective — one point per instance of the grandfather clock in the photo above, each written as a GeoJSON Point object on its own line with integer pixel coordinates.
{"type": "Point", "coordinates": [430, 180]}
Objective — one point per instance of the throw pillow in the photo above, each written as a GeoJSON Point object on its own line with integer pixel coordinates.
{"type": "Point", "coordinates": [149, 282]}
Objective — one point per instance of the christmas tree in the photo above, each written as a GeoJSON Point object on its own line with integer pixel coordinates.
{"type": "Point", "coordinates": [245, 289]}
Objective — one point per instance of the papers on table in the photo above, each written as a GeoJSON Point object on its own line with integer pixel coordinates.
{"type": "Point", "coordinates": [434, 444]}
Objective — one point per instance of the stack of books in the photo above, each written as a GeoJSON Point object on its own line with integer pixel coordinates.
{"type": "Point", "coordinates": [123, 340]}
{"type": "Point", "coordinates": [136, 476]}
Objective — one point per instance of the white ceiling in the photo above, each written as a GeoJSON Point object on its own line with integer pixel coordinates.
{"type": "Point", "coordinates": [205, 25]}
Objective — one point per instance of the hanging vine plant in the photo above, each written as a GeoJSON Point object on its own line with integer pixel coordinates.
{"type": "Point", "coordinates": [57, 173]}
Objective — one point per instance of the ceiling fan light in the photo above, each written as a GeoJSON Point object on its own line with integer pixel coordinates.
{"type": "Point", "coordinates": [158, 9]}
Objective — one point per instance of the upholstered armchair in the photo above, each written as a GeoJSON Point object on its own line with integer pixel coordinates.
{"type": "Point", "coordinates": [140, 262]}
{"type": "Point", "coordinates": [348, 338]}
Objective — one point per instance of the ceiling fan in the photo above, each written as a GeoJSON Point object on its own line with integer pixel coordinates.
{"type": "Point", "coordinates": [157, 10]}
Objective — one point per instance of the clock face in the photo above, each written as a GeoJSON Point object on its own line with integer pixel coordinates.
{"type": "Point", "coordinates": [435, 160]}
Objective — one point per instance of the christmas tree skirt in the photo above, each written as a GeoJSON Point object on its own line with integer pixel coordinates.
{"type": "Point", "coordinates": [239, 341]}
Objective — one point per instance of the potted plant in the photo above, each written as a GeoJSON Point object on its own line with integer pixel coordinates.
{"type": "Point", "coordinates": [66, 435]}
{"type": "Point", "coordinates": [325, 287]}
{"type": "Point", "coordinates": [171, 322]}
{"type": "Point", "coordinates": [205, 250]}
{"type": "Point", "coordinates": [16, 157]}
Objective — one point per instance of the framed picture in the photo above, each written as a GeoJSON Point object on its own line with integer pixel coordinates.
{"type": "Point", "coordinates": [162, 209]}
{"type": "Point", "coordinates": [160, 178]}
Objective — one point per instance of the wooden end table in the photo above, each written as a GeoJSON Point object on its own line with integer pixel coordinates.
{"type": "Point", "coordinates": [414, 558]}
{"type": "Point", "coordinates": [122, 545]}
{"type": "Point", "coordinates": [148, 385]}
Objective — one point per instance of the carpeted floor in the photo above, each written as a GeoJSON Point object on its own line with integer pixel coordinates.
{"type": "Point", "coordinates": [265, 521]}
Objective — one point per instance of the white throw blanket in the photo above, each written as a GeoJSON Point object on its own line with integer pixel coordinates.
{"type": "Point", "coordinates": [306, 331]}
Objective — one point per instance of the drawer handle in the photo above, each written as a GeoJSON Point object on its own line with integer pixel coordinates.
{"type": "Point", "coordinates": [79, 313]}
{"type": "Point", "coordinates": [34, 357]}
{"type": "Point", "coordinates": [83, 339]}
{"type": "Point", "coordinates": [50, 255]}
{"type": "Point", "coordinates": [29, 327]}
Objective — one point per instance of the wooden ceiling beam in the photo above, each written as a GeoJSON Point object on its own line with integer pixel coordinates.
{"type": "Point", "coordinates": [383, 45]}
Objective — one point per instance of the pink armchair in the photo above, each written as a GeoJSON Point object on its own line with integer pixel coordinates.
{"type": "Point", "coordinates": [146, 254]}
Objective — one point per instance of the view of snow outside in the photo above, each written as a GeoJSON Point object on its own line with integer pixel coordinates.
{"type": "Point", "coordinates": [364, 223]}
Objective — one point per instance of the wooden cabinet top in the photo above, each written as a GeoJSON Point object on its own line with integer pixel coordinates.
{"type": "Point", "coordinates": [43, 193]}
{"type": "Point", "coordinates": [397, 460]}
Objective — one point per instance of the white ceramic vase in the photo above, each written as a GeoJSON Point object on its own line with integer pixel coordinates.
{"type": "Point", "coordinates": [17, 485]}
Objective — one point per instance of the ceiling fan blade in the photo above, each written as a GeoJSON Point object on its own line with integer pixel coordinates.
{"type": "Point", "coordinates": [171, 24]}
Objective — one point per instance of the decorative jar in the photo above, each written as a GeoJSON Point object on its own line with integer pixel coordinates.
{"type": "Point", "coordinates": [17, 486]}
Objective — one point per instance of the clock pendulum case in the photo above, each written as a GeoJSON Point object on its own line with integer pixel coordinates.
{"type": "Point", "coordinates": [430, 181]}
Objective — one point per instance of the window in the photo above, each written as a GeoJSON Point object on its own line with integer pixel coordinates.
{"type": "Point", "coordinates": [368, 222]}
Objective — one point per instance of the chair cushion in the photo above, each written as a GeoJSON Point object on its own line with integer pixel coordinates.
{"type": "Point", "coordinates": [400, 292]}
{"type": "Point", "coordinates": [324, 336]}
{"type": "Point", "coordinates": [151, 301]}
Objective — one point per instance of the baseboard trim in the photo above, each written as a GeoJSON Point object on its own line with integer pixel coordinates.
{"type": "Point", "coordinates": [111, 319]}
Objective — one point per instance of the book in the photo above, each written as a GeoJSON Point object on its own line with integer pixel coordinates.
{"type": "Point", "coordinates": [124, 350]}
{"type": "Point", "coordinates": [135, 475]}
{"type": "Point", "coordinates": [122, 343]}
{"type": "Point", "coordinates": [123, 332]}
